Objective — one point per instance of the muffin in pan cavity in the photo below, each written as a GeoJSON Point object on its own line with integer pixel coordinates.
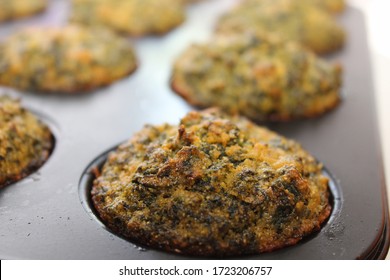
{"type": "Point", "coordinates": [25, 142]}
{"type": "Point", "coordinates": [292, 20]}
{"type": "Point", "coordinates": [259, 76]}
{"type": "Point", "coordinates": [15, 9]}
{"type": "Point", "coordinates": [67, 59]}
{"type": "Point", "coordinates": [130, 17]}
{"type": "Point", "coordinates": [214, 185]}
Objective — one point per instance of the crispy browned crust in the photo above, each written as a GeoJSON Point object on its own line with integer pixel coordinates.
{"type": "Point", "coordinates": [337, 47]}
{"type": "Point", "coordinates": [312, 115]}
{"type": "Point", "coordinates": [145, 238]}
{"type": "Point", "coordinates": [183, 92]}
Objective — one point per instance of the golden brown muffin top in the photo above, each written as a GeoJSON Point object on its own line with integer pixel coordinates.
{"type": "Point", "coordinates": [214, 186]}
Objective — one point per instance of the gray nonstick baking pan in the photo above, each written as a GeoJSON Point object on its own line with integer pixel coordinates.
{"type": "Point", "coordinates": [48, 215]}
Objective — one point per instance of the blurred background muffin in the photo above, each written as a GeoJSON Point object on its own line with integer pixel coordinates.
{"type": "Point", "coordinates": [292, 20]}
{"type": "Point", "coordinates": [14, 9]}
{"type": "Point", "coordinates": [66, 59]}
{"type": "Point", "coordinates": [130, 17]}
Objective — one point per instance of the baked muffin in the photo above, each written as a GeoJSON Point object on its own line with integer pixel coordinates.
{"type": "Point", "coordinates": [130, 17]}
{"type": "Point", "coordinates": [64, 59]}
{"type": "Point", "coordinates": [290, 19]}
{"type": "Point", "coordinates": [259, 76]}
{"type": "Point", "coordinates": [25, 142]}
{"type": "Point", "coordinates": [212, 186]}
{"type": "Point", "coordinates": [14, 9]}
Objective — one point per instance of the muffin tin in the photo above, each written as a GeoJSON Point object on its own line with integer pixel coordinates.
{"type": "Point", "coordinates": [48, 215]}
